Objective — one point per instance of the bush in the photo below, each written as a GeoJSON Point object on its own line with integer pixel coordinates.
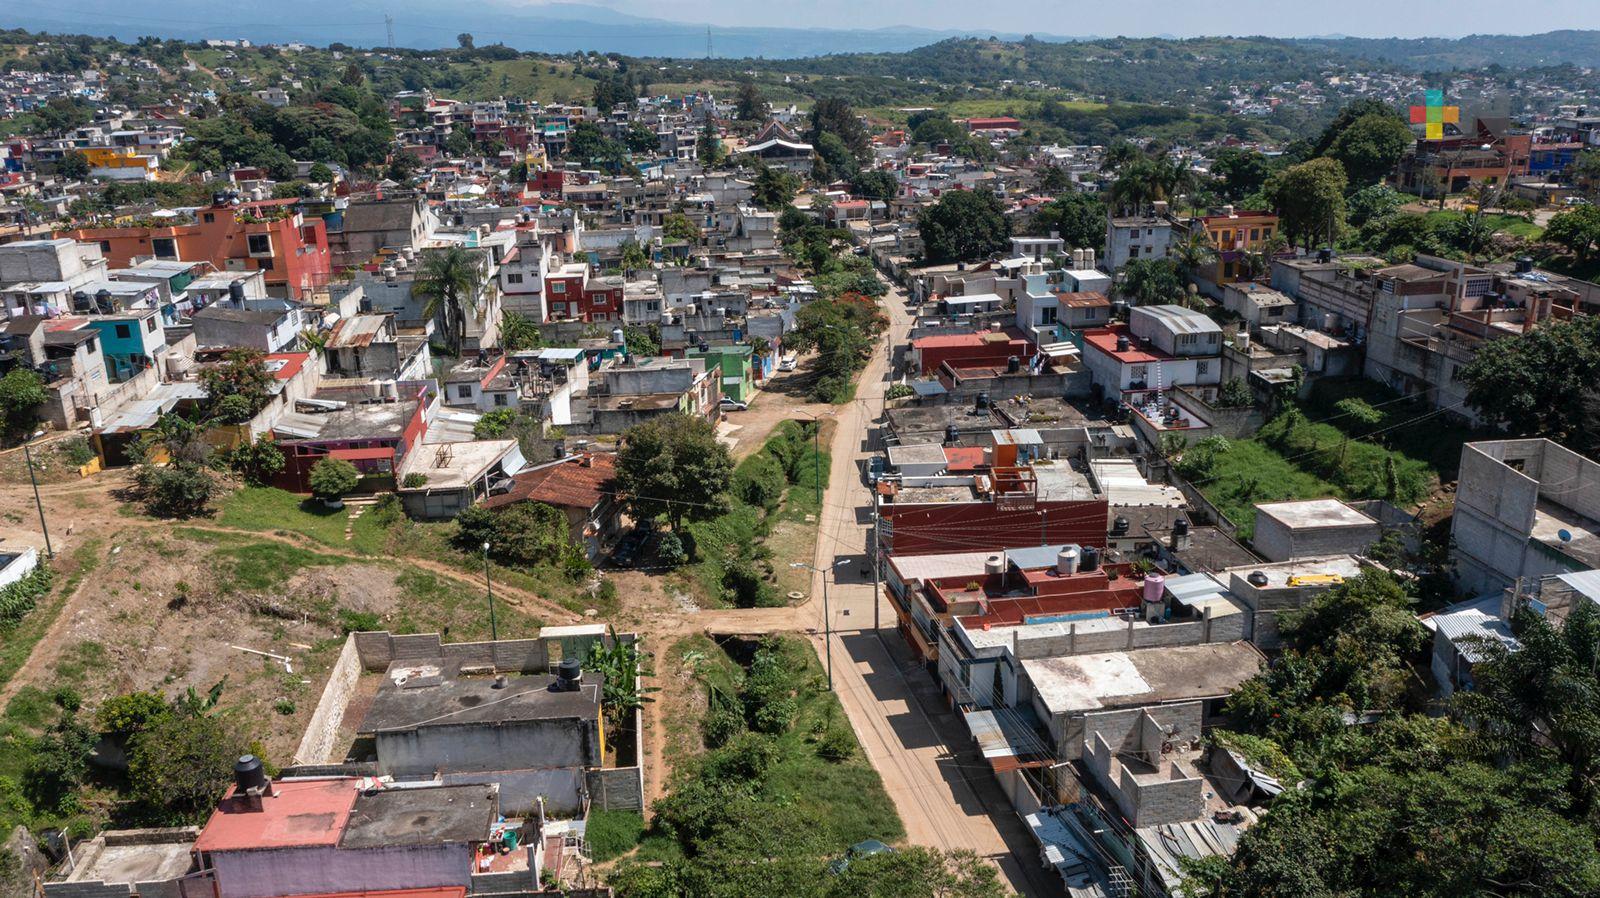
{"type": "Point", "coordinates": [837, 744]}
{"type": "Point", "coordinates": [611, 834]}
{"type": "Point", "coordinates": [1234, 394]}
{"type": "Point", "coordinates": [742, 584]}
{"type": "Point", "coordinates": [415, 480]}
{"type": "Point", "coordinates": [1359, 411]}
{"type": "Point", "coordinates": [19, 598]}
{"type": "Point", "coordinates": [77, 451]}
{"type": "Point", "coordinates": [178, 490]}
{"type": "Point", "coordinates": [58, 764]}
{"type": "Point", "coordinates": [494, 425]}
{"type": "Point", "coordinates": [131, 713]}
{"type": "Point", "coordinates": [333, 478]}
{"type": "Point", "coordinates": [523, 533]}
{"type": "Point", "coordinates": [358, 621]}
{"type": "Point", "coordinates": [179, 768]}
{"type": "Point", "coordinates": [760, 481]}
{"type": "Point", "coordinates": [898, 391]}
{"type": "Point", "coordinates": [257, 463]}
{"type": "Point", "coordinates": [720, 724]}
{"type": "Point", "coordinates": [670, 550]}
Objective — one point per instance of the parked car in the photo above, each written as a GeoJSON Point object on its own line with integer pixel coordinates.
{"type": "Point", "coordinates": [857, 851]}
{"type": "Point", "coordinates": [629, 548]}
{"type": "Point", "coordinates": [875, 469]}
{"type": "Point", "coordinates": [788, 363]}
{"type": "Point", "coordinates": [732, 405]}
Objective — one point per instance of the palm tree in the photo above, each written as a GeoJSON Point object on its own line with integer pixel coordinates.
{"type": "Point", "coordinates": [450, 279]}
{"type": "Point", "coordinates": [1257, 260]}
{"type": "Point", "coordinates": [1151, 282]}
{"type": "Point", "coordinates": [1194, 251]}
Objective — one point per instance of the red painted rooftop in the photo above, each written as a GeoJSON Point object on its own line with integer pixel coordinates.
{"type": "Point", "coordinates": [1105, 340]}
{"type": "Point", "coordinates": [299, 813]}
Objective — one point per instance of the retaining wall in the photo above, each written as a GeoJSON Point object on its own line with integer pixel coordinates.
{"type": "Point", "coordinates": [322, 732]}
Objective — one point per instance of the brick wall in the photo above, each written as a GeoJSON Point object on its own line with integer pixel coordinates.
{"type": "Point", "coordinates": [377, 650]}
{"type": "Point", "coordinates": [616, 789]}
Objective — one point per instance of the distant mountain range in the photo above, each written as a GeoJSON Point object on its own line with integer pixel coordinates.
{"type": "Point", "coordinates": [567, 27]}
{"type": "Point", "coordinates": [547, 28]}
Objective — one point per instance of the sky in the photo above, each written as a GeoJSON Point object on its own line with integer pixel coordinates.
{"type": "Point", "coordinates": [1142, 18]}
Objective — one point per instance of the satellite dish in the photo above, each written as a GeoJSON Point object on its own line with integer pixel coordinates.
{"type": "Point", "coordinates": [1564, 535]}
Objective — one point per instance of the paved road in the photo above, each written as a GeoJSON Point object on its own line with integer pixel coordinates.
{"type": "Point", "coordinates": [940, 785]}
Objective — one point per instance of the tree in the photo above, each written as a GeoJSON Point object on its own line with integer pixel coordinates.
{"type": "Point", "coordinates": [464, 40]}
{"type": "Point", "coordinates": [320, 173]}
{"type": "Point", "coordinates": [1235, 393]}
{"type": "Point", "coordinates": [634, 256]}
{"type": "Point", "coordinates": [834, 160]}
{"type": "Point", "coordinates": [1346, 117]}
{"type": "Point", "coordinates": [1578, 230]}
{"type": "Point", "coordinates": [21, 393]}
{"type": "Point", "coordinates": [1078, 218]}
{"type": "Point", "coordinates": [842, 331]}
{"type": "Point", "coordinates": [1309, 199]}
{"type": "Point", "coordinates": [450, 279]}
{"type": "Point", "coordinates": [677, 226]}
{"type": "Point", "coordinates": [833, 115]}
{"type": "Point", "coordinates": [934, 128]}
{"type": "Point", "coordinates": [875, 185]}
{"type": "Point", "coordinates": [1151, 282]}
{"type": "Point", "coordinates": [1241, 173]}
{"type": "Point", "coordinates": [519, 332]}
{"type": "Point", "coordinates": [640, 138]}
{"type": "Point", "coordinates": [709, 147]}
{"type": "Point", "coordinates": [238, 387]}
{"type": "Point", "coordinates": [181, 489]}
{"type": "Point", "coordinates": [61, 114]}
{"type": "Point", "coordinates": [964, 225]}
{"type": "Point", "coordinates": [1529, 386]}
{"type": "Point", "coordinates": [673, 466]}
{"type": "Point", "coordinates": [1372, 203]}
{"type": "Point", "coordinates": [1193, 252]}
{"type": "Point", "coordinates": [1053, 179]}
{"type": "Point", "coordinates": [333, 478]}
{"type": "Point", "coordinates": [774, 188]}
{"type": "Point", "coordinates": [528, 534]}
{"type": "Point", "coordinates": [752, 106]}
{"type": "Point", "coordinates": [1371, 147]}
{"type": "Point", "coordinates": [180, 766]}
{"type": "Point", "coordinates": [74, 165]}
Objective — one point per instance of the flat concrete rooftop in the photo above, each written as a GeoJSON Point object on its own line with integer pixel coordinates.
{"type": "Point", "coordinates": [130, 856]}
{"type": "Point", "coordinates": [1314, 513]}
{"type": "Point", "coordinates": [1077, 683]}
{"type": "Point", "coordinates": [425, 693]}
{"type": "Point", "coordinates": [424, 816]}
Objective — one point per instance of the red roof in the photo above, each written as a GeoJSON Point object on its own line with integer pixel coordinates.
{"type": "Point", "coordinates": [566, 484]}
{"type": "Point", "coordinates": [299, 813]}
{"type": "Point", "coordinates": [1105, 340]}
{"type": "Point", "coordinates": [965, 458]}
{"type": "Point", "coordinates": [292, 363]}
{"type": "Point", "coordinates": [1083, 300]}
{"type": "Point", "coordinates": [998, 122]}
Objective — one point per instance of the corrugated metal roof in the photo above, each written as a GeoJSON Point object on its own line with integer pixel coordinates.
{"type": "Point", "coordinates": [1466, 623]}
{"type": "Point", "coordinates": [1585, 582]}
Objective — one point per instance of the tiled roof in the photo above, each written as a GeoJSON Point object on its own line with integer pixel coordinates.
{"type": "Point", "coordinates": [569, 483]}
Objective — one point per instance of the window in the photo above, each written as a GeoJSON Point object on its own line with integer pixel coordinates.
{"type": "Point", "coordinates": [514, 277]}
{"type": "Point", "coordinates": [599, 299]}
{"type": "Point", "coordinates": [1255, 234]}
{"type": "Point", "coordinates": [1266, 233]}
{"type": "Point", "coordinates": [164, 247]}
{"type": "Point", "coordinates": [464, 391]}
{"type": "Point", "coordinates": [105, 246]}
{"type": "Point", "coordinates": [1047, 315]}
{"type": "Point", "coordinates": [1188, 339]}
{"type": "Point", "coordinates": [1227, 270]}
{"type": "Point", "coordinates": [1133, 252]}
{"type": "Point", "coordinates": [260, 244]}
{"type": "Point", "coordinates": [124, 332]}
{"type": "Point", "coordinates": [558, 286]}
{"type": "Point", "coordinates": [1275, 312]}
{"type": "Point", "coordinates": [499, 399]}
{"type": "Point", "coordinates": [1202, 367]}
{"type": "Point", "coordinates": [150, 324]}
{"type": "Point", "coordinates": [209, 218]}
{"type": "Point", "coordinates": [264, 264]}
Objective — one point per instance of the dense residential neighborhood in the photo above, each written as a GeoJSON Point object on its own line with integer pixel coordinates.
{"type": "Point", "coordinates": [1099, 468]}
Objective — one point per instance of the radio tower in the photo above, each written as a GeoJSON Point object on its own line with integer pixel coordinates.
{"type": "Point", "coordinates": [708, 41]}
{"type": "Point", "coordinates": [388, 24]}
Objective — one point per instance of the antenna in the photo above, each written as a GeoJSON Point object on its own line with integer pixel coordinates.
{"type": "Point", "coordinates": [708, 41]}
{"type": "Point", "coordinates": [388, 24]}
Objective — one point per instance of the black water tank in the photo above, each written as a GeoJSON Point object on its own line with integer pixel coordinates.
{"type": "Point", "coordinates": [1524, 265]}
{"type": "Point", "coordinates": [981, 402]}
{"type": "Point", "coordinates": [951, 434]}
{"type": "Point", "coordinates": [249, 774]}
{"type": "Point", "coordinates": [1257, 579]}
{"type": "Point", "coordinates": [1013, 365]}
{"type": "Point", "coordinates": [236, 292]}
{"type": "Point", "coordinates": [1123, 343]}
{"type": "Point", "coordinates": [1089, 559]}
{"type": "Point", "coordinates": [1325, 255]}
{"type": "Point", "coordinates": [1119, 526]}
{"type": "Point", "coordinates": [569, 674]}
{"type": "Point", "coordinates": [1180, 527]}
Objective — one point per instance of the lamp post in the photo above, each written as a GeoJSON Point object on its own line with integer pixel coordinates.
{"type": "Point", "coordinates": [827, 615]}
{"type": "Point", "coordinates": [27, 457]}
{"type": "Point", "coordinates": [494, 633]}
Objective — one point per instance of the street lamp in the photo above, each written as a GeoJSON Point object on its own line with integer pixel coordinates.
{"type": "Point", "coordinates": [494, 633]}
{"type": "Point", "coordinates": [27, 457]}
{"type": "Point", "coordinates": [827, 616]}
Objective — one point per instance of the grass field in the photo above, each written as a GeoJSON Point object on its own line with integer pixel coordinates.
{"type": "Point", "coordinates": [1515, 225]}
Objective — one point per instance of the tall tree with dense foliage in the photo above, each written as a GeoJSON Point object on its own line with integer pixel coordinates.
{"type": "Point", "coordinates": [1077, 218]}
{"type": "Point", "coordinates": [1309, 200]}
{"type": "Point", "coordinates": [673, 466]}
{"type": "Point", "coordinates": [832, 115]}
{"type": "Point", "coordinates": [1371, 147]}
{"type": "Point", "coordinates": [1577, 230]}
{"type": "Point", "coordinates": [774, 188]}
{"type": "Point", "coordinates": [1151, 282]}
{"type": "Point", "coordinates": [1239, 173]}
{"type": "Point", "coordinates": [843, 332]}
{"type": "Point", "coordinates": [1534, 385]}
{"type": "Point", "coordinates": [238, 387]}
{"type": "Point", "coordinates": [22, 392]}
{"type": "Point", "coordinates": [964, 225]}
{"type": "Point", "coordinates": [752, 106]}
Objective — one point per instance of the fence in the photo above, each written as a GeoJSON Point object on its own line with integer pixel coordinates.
{"type": "Point", "coordinates": [318, 742]}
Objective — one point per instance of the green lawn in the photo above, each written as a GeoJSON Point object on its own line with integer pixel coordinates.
{"type": "Point", "coordinates": [270, 510]}
{"type": "Point", "coordinates": [1251, 472]}
{"type": "Point", "coordinates": [1515, 225]}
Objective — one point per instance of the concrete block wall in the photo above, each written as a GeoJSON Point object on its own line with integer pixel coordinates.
{"type": "Point", "coordinates": [378, 649]}
{"type": "Point", "coordinates": [1188, 633]}
{"type": "Point", "coordinates": [1228, 628]}
{"type": "Point", "coordinates": [318, 743]}
{"type": "Point", "coordinates": [616, 788]}
{"type": "Point", "coordinates": [1172, 800]}
{"type": "Point", "coordinates": [91, 889]}
{"type": "Point", "coordinates": [166, 888]}
{"type": "Point", "coordinates": [1120, 728]}
{"type": "Point", "coordinates": [1134, 635]}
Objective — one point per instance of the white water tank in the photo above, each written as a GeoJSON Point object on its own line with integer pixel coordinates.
{"type": "Point", "coordinates": [994, 564]}
{"type": "Point", "coordinates": [1067, 561]}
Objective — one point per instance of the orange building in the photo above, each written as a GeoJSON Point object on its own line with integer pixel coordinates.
{"type": "Point", "coordinates": [272, 236]}
{"type": "Point", "coordinates": [1232, 235]}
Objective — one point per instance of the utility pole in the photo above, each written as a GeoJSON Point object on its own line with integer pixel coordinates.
{"type": "Point", "coordinates": [27, 457]}
{"type": "Point", "coordinates": [494, 632]}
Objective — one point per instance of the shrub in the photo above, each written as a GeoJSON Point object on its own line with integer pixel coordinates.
{"type": "Point", "coordinates": [333, 478]}
{"type": "Point", "coordinates": [131, 713]}
{"type": "Point", "coordinates": [351, 621]}
{"type": "Point", "coordinates": [837, 744]}
{"type": "Point", "coordinates": [1234, 394]}
{"type": "Point", "coordinates": [1359, 411]}
{"type": "Point", "coordinates": [415, 480]}
{"type": "Point", "coordinates": [670, 550]}
{"type": "Point", "coordinates": [898, 391]}
{"type": "Point", "coordinates": [494, 425]}
{"type": "Point", "coordinates": [19, 598]}
{"type": "Point", "coordinates": [58, 764]}
{"type": "Point", "coordinates": [742, 584]}
{"type": "Point", "coordinates": [178, 490]}
{"type": "Point", "coordinates": [387, 511]}
{"type": "Point", "coordinates": [257, 462]}
{"type": "Point", "coordinates": [77, 451]}
{"type": "Point", "coordinates": [760, 481]}
{"type": "Point", "coordinates": [720, 724]}
{"type": "Point", "coordinates": [523, 533]}
{"type": "Point", "coordinates": [611, 834]}
{"type": "Point", "coordinates": [179, 768]}
{"type": "Point", "coordinates": [284, 706]}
